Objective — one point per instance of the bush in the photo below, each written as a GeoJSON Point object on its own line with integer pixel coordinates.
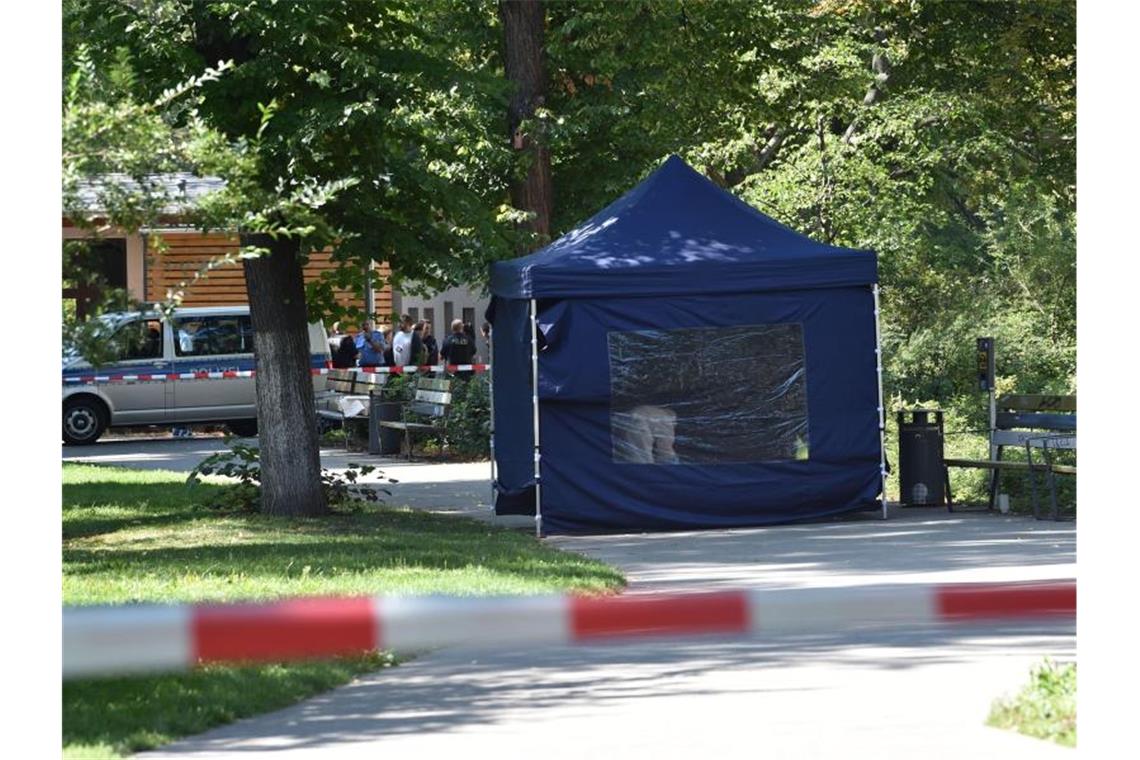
{"type": "Point", "coordinates": [1046, 708]}
{"type": "Point", "coordinates": [469, 420]}
{"type": "Point", "coordinates": [242, 461]}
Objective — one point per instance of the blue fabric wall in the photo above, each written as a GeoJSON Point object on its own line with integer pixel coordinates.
{"type": "Point", "coordinates": [514, 422]}
{"type": "Point", "coordinates": [585, 490]}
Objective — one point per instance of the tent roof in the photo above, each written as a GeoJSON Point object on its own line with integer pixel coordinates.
{"type": "Point", "coordinates": [678, 233]}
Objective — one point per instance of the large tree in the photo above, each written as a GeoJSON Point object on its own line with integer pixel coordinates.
{"type": "Point", "coordinates": [524, 57]}
{"type": "Point", "coordinates": [338, 94]}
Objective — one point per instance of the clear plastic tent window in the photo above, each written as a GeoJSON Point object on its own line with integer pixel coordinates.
{"type": "Point", "coordinates": [709, 395]}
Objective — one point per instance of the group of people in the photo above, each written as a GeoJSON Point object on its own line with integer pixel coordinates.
{"type": "Point", "coordinates": [407, 342]}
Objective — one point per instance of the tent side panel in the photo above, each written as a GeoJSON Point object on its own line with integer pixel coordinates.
{"type": "Point", "coordinates": [514, 427]}
{"type": "Point", "coordinates": [708, 411]}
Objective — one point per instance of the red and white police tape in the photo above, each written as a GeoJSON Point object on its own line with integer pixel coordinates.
{"type": "Point", "coordinates": [142, 638]}
{"type": "Point", "coordinates": [162, 377]}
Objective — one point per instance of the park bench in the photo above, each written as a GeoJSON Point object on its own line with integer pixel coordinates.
{"type": "Point", "coordinates": [348, 396]}
{"type": "Point", "coordinates": [1045, 423]}
{"type": "Point", "coordinates": [432, 400]}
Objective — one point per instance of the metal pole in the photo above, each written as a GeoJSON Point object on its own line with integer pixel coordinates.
{"type": "Point", "coordinates": [882, 410]}
{"type": "Point", "coordinates": [534, 402]}
{"type": "Point", "coordinates": [369, 293]}
{"type": "Point", "coordinates": [491, 396]}
{"type": "Point", "coordinates": [993, 427]}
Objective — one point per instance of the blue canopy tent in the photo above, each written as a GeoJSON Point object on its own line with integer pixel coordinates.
{"type": "Point", "coordinates": [698, 365]}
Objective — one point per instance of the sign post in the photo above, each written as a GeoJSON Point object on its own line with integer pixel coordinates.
{"type": "Point", "coordinates": [985, 374]}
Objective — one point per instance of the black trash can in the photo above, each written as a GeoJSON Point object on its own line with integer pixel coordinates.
{"type": "Point", "coordinates": [922, 477]}
{"type": "Point", "coordinates": [383, 440]}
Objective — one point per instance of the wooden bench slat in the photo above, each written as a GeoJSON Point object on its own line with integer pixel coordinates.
{"type": "Point", "coordinates": [990, 464]}
{"type": "Point", "coordinates": [1035, 438]}
{"type": "Point", "coordinates": [428, 409]}
{"type": "Point", "coordinates": [398, 425]}
{"type": "Point", "coordinates": [1060, 469]}
{"type": "Point", "coordinates": [433, 397]}
{"type": "Point", "coordinates": [1036, 402]}
{"type": "Point", "coordinates": [1038, 420]}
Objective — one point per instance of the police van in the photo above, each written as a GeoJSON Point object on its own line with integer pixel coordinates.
{"type": "Point", "coordinates": [205, 339]}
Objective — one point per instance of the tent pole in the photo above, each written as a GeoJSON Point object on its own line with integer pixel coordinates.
{"type": "Point", "coordinates": [882, 410]}
{"type": "Point", "coordinates": [491, 399]}
{"type": "Point", "coordinates": [534, 406]}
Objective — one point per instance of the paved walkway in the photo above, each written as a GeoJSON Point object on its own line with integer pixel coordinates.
{"type": "Point", "coordinates": [903, 694]}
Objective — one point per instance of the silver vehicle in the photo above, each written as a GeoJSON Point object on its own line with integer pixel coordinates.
{"type": "Point", "coordinates": [138, 388]}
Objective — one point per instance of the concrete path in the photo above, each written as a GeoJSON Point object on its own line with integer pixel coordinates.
{"type": "Point", "coordinates": [899, 694]}
{"type": "Point", "coordinates": [911, 694]}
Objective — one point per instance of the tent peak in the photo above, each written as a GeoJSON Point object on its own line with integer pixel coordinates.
{"type": "Point", "coordinates": [678, 231]}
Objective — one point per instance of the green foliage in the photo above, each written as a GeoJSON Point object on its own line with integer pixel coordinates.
{"type": "Point", "coordinates": [242, 462]}
{"type": "Point", "coordinates": [387, 99]}
{"type": "Point", "coordinates": [114, 146]}
{"type": "Point", "coordinates": [401, 388]}
{"type": "Point", "coordinates": [1045, 708]}
{"type": "Point", "coordinates": [469, 418]}
{"type": "Point", "coordinates": [940, 135]}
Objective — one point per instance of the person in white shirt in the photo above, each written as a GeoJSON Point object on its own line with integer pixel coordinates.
{"type": "Point", "coordinates": [402, 343]}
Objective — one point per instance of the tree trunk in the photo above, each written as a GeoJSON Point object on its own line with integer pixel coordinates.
{"type": "Point", "coordinates": [286, 413]}
{"type": "Point", "coordinates": [524, 26]}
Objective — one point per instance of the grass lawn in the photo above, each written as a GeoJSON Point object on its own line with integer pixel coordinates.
{"type": "Point", "coordinates": [137, 536]}
{"type": "Point", "coordinates": [1045, 708]}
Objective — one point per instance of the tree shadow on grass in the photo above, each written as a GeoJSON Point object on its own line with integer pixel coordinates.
{"type": "Point", "coordinates": [91, 509]}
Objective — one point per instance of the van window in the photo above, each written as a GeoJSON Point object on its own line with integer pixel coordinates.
{"type": "Point", "coordinates": [139, 339]}
{"type": "Point", "coordinates": [213, 335]}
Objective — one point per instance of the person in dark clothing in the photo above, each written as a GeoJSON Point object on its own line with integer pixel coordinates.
{"type": "Point", "coordinates": [346, 353]}
{"type": "Point", "coordinates": [431, 345]}
{"type": "Point", "coordinates": [419, 349]}
{"type": "Point", "coordinates": [458, 347]}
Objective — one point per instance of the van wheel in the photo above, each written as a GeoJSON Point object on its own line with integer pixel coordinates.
{"type": "Point", "coordinates": [84, 420]}
{"type": "Point", "coordinates": [243, 428]}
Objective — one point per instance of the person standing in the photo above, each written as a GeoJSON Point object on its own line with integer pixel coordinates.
{"type": "Point", "coordinates": [335, 336]}
{"type": "Point", "coordinates": [402, 343]}
{"type": "Point", "coordinates": [485, 331]}
{"type": "Point", "coordinates": [431, 345]}
{"type": "Point", "coordinates": [346, 353]}
{"type": "Point", "coordinates": [370, 344]}
{"type": "Point", "coordinates": [388, 358]}
{"type": "Point", "coordinates": [458, 347]}
{"type": "Point", "coordinates": [419, 348]}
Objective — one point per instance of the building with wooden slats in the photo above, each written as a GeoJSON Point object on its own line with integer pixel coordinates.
{"type": "Point", "coordinates": [183, 254]}
{"type": "Point", "coordinates": [153, 263]}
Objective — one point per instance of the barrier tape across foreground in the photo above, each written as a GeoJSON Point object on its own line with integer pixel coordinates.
{"type": "Point", "coordinates": [142, 638]}
{"type": "Point", "coordinates": [162, 377]}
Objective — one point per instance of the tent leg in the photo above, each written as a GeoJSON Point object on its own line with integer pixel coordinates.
{"type": "Point", "coordinates": [491, 398]}
{"type": "Point", "coordinates": [534, 406]}
{"type": "Point", "coordinates": [882, 410]}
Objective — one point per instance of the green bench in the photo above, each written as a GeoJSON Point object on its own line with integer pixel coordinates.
{"type": "Point", "coordinates": [432, 400]}
{"type": "Point", "coordinates": [348, 396]}
{"type": "Point", "coordinates": [1041, 423]}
